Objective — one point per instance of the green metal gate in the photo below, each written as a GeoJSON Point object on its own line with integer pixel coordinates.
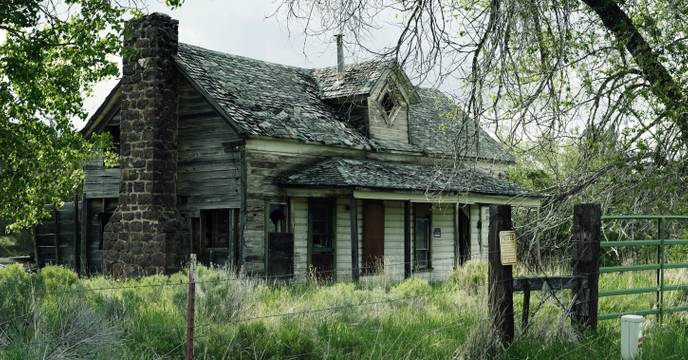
{"type": "Point", "coordinates": [660, 266]}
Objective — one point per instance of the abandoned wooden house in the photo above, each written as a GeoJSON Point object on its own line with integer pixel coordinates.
{"type": "Point", "coordinates": [279, 170]}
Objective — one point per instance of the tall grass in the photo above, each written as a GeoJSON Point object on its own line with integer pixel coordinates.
{"type": "Point", "coordinates": [53, 314]}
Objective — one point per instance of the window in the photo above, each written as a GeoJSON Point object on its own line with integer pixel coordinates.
{"type": "Point", "coordinates": [388, 103]}
{"type": "Point", "coordinates": [320, 215]}
{"type": "Point", "coordinates": [216, 236]}
{"type": "Point", "coordinates": [215, 228]}
{"type": "Point", "coordinates": [422, 238]}
{"type": "Point", "coordinates": [277, 218]}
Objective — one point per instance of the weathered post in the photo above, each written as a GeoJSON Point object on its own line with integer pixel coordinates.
{"type": "Point", "coordinates": [587, 228]}
{"type": "Point", "coordinates": [501, 287]}
{"type": "Point", "coordinates": [190, 307]}
{"type": "Point", "coordinates": [353, 215]}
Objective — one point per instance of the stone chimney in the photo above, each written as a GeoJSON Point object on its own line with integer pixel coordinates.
{"type": "Point", "coordinates": [340, 54]}
{"type": "Point", "coordinates": [146, 234]}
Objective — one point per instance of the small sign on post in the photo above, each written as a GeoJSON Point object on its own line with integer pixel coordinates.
{"type": "Point", "coordinates": [507, 247]}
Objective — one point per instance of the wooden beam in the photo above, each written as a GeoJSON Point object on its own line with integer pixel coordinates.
{"type": "Point", "coordinates": [56, 238]}
{"type": "Point", "coordinates": [407, 239]}
{"type": "Point", "coordinates": [77, 240]}
{"type": "Point", "coordinates": [84, 236]}
{"type": "Point", "coordinates": [353, 219]}
{"type": "Point", "coordinates": [467, 198]}
{"type": "Point", "coordinates": [500, 283]}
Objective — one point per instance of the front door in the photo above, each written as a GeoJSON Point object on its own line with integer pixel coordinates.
{"type": "Point", "coordinates": [373, 236]}
{"type": "Point", "coordinates": [321, 237]}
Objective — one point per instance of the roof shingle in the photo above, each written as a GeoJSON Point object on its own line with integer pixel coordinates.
{"type": "Point", "coordinates": [375, 174]}
{"type": "Point", "coordinates": [272, 100]}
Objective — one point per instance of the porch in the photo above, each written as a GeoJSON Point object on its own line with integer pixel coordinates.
{"type": "Point", "coordinates": [347, 219]}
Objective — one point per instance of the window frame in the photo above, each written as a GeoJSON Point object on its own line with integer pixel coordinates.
{"type": "Point", "coordinates": [427, 216]}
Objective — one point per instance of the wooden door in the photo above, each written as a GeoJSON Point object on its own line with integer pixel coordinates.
{"type": "Point", "coordinates": [373, 236]}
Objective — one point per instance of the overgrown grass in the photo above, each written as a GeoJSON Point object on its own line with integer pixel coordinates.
{"type": "Point", "coordinates": [53, 314]}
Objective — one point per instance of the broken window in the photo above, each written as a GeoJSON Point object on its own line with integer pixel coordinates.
{"type": "Point", "coordinates": [218, 235]}
{"type": "Point", "coordinates": [388, 103]}
{"type": "Point", "coordinates": [277, 218]}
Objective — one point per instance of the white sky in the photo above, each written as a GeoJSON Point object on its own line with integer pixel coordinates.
{"type": "Point", "coordinates": [246, 28]}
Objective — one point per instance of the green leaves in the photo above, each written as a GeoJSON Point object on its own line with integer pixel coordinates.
{"type": "Point", "coordinates": [51, 53]}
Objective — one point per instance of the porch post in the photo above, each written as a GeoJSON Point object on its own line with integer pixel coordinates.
{"type": "Point", "coordinates": [407, 239]}
{"type": "Point", "coordinates": [353, 216]}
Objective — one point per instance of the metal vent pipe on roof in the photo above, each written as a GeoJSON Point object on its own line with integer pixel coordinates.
{"type": "Point", "coordinates": [340, 54]}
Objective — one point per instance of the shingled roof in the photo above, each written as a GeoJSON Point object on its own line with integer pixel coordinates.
{"type": "Point", "coordinates": [272, 100]}
{"type": "Point", "coordinates": [383, 175]}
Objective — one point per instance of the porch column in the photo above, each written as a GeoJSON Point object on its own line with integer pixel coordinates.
{"type": "Point", "coordinates": [353, 220]}
{"type": "Point", "coordinates": [407, 239]}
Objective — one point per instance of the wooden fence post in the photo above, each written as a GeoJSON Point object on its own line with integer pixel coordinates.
{"type": "Point", "coordinates": [500, 284]}
{"type": "Point", "coordinates": [190, 308]}
{"type": "Point", "coordinates": [587, 228]}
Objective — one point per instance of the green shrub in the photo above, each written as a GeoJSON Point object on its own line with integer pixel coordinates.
{"type": "Point", "coordinates": [16, 293]}
{"type": "Point", "coordinates": [57, 278]}
{"type": "Point", "coordinates": [471, 277]}
{"type": "Point", "coordinates": [412, 287]}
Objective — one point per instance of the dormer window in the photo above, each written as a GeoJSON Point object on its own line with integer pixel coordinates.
{"type": "Point", "coordinates": [388, 104]}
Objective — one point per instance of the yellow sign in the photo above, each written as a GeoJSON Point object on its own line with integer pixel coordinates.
{"type": "Point", "coordinates": [507, 247]}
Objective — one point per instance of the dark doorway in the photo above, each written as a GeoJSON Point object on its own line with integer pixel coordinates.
{"type": "Point", "coordinates": [218, 234]}
{"type": "Point", "coordinates": [321, 237]}
{"type": "Point", "coordinates": [464, 235]}
{"type": "Point", "coordinates": [373, 236]}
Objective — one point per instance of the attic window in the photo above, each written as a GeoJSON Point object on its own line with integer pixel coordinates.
{"type": "Point", "coordinates": [388, 103]}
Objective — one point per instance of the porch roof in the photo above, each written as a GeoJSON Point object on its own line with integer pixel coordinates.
{"type": "Point", "coordinates": [396, 176]}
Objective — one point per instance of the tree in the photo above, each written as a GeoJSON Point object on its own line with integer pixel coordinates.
{"type": "Point", "coordinates": [553, 68]}
{"type": "Point", "coordinates": [51, 55]}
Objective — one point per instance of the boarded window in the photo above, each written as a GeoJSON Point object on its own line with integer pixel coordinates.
{"type": "Point", "coordinates": [422, 244]}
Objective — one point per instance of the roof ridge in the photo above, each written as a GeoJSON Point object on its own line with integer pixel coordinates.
{"type": "Point", "coordinates": [245, 57]}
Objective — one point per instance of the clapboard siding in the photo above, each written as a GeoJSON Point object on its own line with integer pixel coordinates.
{"type": "Point", "coordinates": [100, 182]}
{"type": "Point", "coordinates": [299, 220]}
{"type": "Point", "coordinates": [208, 170]}
{"type": "Point", "coordinates": [61, 231]}
{"type": "Point", "coordinates": [343, 237]}
{"type": "Point", "coordinates": [394, 239]}
{"type": "Point", "coordinates": [479, 214]}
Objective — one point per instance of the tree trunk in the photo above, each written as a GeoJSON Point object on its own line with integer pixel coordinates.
{"type": "Point", "coordinates": [662, 84]}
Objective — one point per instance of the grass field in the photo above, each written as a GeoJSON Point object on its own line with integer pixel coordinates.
{"type": "Point", "coordinates": [53, 314]}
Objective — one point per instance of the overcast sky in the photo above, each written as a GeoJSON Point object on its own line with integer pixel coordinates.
{"type": "Point", "coordinates": [246, 27]}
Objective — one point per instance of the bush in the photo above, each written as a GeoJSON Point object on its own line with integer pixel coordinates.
{"type": "Point", "coordinates": [57, 278]}
{"type": "Point", "coordinates": [471, 277]}
{"type": "Point", "coordinates": [412, 287]}
{"type": "Point", "coordinates": [16, 292]}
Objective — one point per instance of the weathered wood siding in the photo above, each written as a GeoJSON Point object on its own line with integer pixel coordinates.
{"type": "Point", "coordinates": [479, 213]}
{"type": "Point", "coordinates": [343, 238]}
{"type": "Point", "coordinates": [395, 127]}
{"type": "Point", "coordinates": [262, 166]}
{"type": "Point", "coordinates": [209, 162]}
{"type": "Point", "coordinates": [56, 238]}
{"type": "Point", "coordinates": [299, 220]}
{"type": "Point", "coordinates": [394, 239]}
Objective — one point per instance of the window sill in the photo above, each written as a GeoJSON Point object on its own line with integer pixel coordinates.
{"type": "Point", "coordinates": [426, 270]}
